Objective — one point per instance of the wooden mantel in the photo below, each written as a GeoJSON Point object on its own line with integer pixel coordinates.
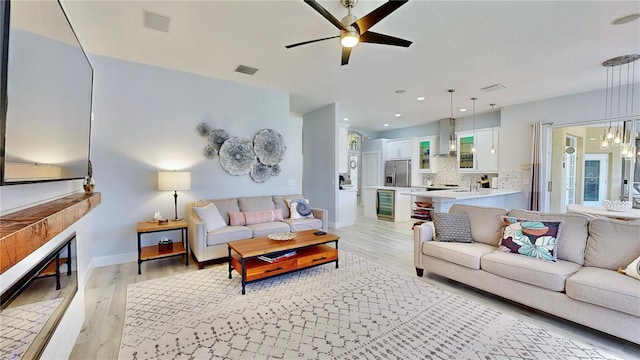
{"type": "Point", "coordinates": [24, 231]}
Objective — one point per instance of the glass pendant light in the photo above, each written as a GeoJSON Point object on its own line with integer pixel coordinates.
{"type": "Point", "coordinates": [493, 148]}
{"type": "Point", "coordinates": [473, 142]}
{"type": "Point", "coordinates": [452, 136]}
{"type": "Point", "coordinates": [617, 138]}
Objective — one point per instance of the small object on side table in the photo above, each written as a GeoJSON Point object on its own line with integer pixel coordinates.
{"type": "Point", "coordinates": [165, 245]}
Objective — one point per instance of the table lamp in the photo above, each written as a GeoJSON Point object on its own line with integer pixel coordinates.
{"type": "Point", "coordinates": [174, 180]}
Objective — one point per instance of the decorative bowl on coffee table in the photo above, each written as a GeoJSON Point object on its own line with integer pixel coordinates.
{"type": "Point", "coordinates": [282, 236]}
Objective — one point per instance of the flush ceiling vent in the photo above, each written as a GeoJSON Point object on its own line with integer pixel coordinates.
{"type": "Point", "coordinates": [246, 69]}
{"type": "Point", "coordinates": [156, 21]}
{"type": "Point", "coordinates": [491, 88]}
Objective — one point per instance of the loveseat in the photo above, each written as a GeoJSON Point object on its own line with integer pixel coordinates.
{"type": "Point", "coordinates": [583, 286]}
{"type": "Point", "coordinates": [211, 245]}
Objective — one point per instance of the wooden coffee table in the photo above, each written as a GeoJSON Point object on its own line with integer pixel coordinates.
{"type": "Point", "coordinates": [311, 250]}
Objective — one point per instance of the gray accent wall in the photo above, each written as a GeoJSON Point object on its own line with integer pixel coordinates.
{"type": "Point", "coordinates": [145, 122]}
{"type": "Point", "coordinates": [320, 171]}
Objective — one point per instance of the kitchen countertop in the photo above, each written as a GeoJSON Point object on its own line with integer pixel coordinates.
{"type": "Point", "coordinates": [387, 187]}
{"type": "Point", "coordinates": [446, 195]}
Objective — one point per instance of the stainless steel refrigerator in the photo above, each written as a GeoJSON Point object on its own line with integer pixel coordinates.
{"type": "Point", "coordinates": [397, 173]}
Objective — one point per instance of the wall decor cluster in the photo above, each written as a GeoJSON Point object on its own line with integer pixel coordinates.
{"type": "Point", "coordinates": [239, 156]}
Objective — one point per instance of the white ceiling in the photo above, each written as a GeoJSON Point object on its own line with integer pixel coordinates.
{"type": "Point", "coordinates": [537, 49]}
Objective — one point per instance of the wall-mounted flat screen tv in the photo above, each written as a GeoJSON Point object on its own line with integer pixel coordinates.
{"type": "Point", "coordinates": [47, 85]}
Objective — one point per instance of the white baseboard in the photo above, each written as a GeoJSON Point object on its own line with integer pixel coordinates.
{"type": "Point", "coordinates": [115, 259]}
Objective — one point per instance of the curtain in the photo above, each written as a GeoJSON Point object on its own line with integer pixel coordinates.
{"type": "Point", "coordinates": [536, 168]}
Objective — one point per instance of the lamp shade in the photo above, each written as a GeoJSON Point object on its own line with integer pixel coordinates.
{"type": "Point", "coordinates": [174, 180]}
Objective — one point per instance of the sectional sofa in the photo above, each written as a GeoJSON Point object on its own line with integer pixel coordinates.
{"type": "Point", "coordinates": [583, 286]}
{"type": "Point", "coordinates": [210, 245]}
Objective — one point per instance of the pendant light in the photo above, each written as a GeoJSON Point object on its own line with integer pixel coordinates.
{"type": "Point", "coordinates": [452, 126]}
{"type": "Point", "coordinates": [619, 136]}
{"type": "Point", "coordinates": [473, 142]}
{"type": "Point", "coordinates": [493, 148]}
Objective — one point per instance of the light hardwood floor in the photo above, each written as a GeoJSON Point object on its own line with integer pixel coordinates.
{"type": "Point", "coordinates": [389, 244]}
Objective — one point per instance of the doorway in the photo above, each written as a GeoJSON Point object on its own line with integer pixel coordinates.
{"type": "Point", "coordinates": [570, 170]}
{"type": "Point", "coordinates": [595, 179]}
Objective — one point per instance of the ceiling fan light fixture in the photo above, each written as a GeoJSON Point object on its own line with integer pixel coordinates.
{"type": "Point", "coordinates": [349, 38]}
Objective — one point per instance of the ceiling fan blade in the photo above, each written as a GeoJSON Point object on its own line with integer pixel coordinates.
{"type": "Point", "coordinates": [372, 18]}
{"type": "Point", "coordinates": [327, 15]}
{"type": "Point", "coordinates": [346, 52]}
{"type": "Point", "coordinates": [376, 38]}
{"type": "Point", "coordinates": [311, 41]}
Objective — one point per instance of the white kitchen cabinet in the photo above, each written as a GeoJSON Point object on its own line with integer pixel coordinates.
{"type": "Point", "coordinates": [425, 160]}
{"type": "Point", "coordinates": [482, 160]}
{"type": "Point", "coordinates": [399, 149]}
{"type": "Point", "coordinates": [486, 161]}
{"type": "Point", "coordinates": [343, 148]}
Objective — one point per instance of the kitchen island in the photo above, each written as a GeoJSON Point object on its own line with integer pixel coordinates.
{"type": "Point", "coordinates": [441, 201]}
{"type": "Point", "coordinates": [401, 204]}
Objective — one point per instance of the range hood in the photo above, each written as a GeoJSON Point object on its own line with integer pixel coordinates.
{"type": "Point", "coordinates": [446, 131]}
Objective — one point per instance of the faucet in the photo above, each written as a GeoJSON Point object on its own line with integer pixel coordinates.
{"type": "Point", "coordinates": [471, 178]}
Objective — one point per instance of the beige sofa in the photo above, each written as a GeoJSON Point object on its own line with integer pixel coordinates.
{"type": "Point", "coordinates": [583, 286]}
{"type": "Point", "coordinates": [212, 245]}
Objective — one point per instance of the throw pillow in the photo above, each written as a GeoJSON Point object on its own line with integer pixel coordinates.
{"type": "Point", "coordinates": [534, 238]}
{"type": "Point", "coordinates": [299, 209]}
{"type": "Point", "coordinates": [236, 218]}
{"type": "Point", "coordinates": [451, 227]}
{"type": "Point", "coordinates": [633, 269]}
{"type": "Point", "coordinates": [211, 217]}
{"type": "Point", "coordinates": [262, 216]}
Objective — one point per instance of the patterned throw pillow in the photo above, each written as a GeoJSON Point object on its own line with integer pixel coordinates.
{"type": "Point", "coordinates": [299, 209]}
{"type": "Point", "coordinates": [534, 238]}
{"type": "Point", "coordinates": [254, 217]}
{"type": "Point", "coordinates": [262, 216]}
{"type": "Point", "coordinates": [452, 227]}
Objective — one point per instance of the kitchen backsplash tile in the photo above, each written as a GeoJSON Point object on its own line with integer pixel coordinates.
{"type": "Point", "coordinates": [447, 174]}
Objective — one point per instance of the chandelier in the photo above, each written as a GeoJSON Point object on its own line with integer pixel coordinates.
{"type": "Point", "coordinates": [620, 97]}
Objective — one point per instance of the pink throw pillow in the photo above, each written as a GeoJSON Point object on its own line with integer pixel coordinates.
{"type": "Point", "coordinates": [236, 218]}
{"type": "Point", "coordinates": [263, 216]}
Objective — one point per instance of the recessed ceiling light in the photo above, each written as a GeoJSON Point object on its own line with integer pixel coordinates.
{"type": "Point", "coordinates": [463, 110]}
{"type": "Point", "coordinates": [626, 19]}
{"type": "Point", "coordinates": [398, 115]}
{"type": "Point", "coordinates": [345, 119]}
{"type": "Point", "coordinates": [385, 125]}
{"type": "Point", "coordinates": [421, 98]}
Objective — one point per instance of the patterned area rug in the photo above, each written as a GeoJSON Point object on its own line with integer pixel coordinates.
{"type": "Point", "coordinates": [19, 326]}
{"type": "Point", "coordinates": [359, 311]}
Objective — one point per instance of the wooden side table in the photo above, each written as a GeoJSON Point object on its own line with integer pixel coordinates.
{"type": "Point", "coordinates": [153, 252]}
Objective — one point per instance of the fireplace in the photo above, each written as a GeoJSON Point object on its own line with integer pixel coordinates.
{"type": "Point", "coordinates": [42, 271]}
{"type": "Point", "coordinates": [32, 307]}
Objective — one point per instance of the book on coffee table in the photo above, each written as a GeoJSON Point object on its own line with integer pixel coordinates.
{"type": "Point", "coordinates": [275, 257]}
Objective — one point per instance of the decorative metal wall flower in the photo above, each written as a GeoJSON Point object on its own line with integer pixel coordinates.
{"type": "Point", "coordinates": [260, 172]}
{"type": "Point", "coordinates": [237, 156]}
{"type": "Point", "coordinates": [269, 146]}
{"type": "Point", "coordinates": [204, 129]}
{"type": "Point", "coordinates": [217, 137]}
{"type": "Point", "coordinates": [210, 152]}
{"type": "Point", "coordinates": [275, 170]}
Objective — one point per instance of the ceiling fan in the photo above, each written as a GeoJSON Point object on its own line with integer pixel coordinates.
{"type": "Point", "coordinates": [354, 30]}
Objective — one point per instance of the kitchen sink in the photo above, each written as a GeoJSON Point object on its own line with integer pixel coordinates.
{"type": "Point", "coordinates": [460, 190]}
